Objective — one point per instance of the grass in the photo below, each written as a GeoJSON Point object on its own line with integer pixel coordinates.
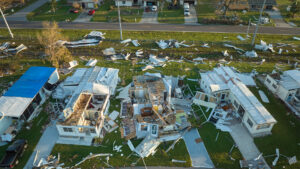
{"type": "Point", "coordinates": [32, 136]}
{"type": "Point", "coordinates": [175, 16]}
{"type": "Point", "coordinates": [217, 150]}
{"type": "Point", "coordinates": [282, 5]}
{"type": "Point", "coordinates": [285, 134]}
{"type": "Point", "coordinates": [109, 13]}
{"type": "Point", "coordinates": [16, 9]}
{"type": "Point", "coordinates": [44, 13]}
{"type": "Point", "coordinates": [206, 9]}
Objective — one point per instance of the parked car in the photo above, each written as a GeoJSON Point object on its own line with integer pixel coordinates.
{"type": "Point", "coordinates": [12, 153]}
{"type": "Point", "coordinates": [91, 12]}
{"type": "Point", "coordinates": [186, 12]}
{"type": "Point", "coordinates": [154, 8]}
{"type": "Point", "coordinates": [74, 10]}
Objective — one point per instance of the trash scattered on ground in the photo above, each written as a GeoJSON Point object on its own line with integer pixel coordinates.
{"type": "Point", "coordinates": [91, 62]}
{"type": "Point", "coordinates": [264, 47]}
{"type": "Point", "coordinates": [135, 43]}
{"type": "Point", "coordinates": [139, 53]}
{"type": "Point", "coordinates": [225, 53]}
{"type": "Point", "coordinates": [231, 46]}
{"type": "Point", "coordinates": [109, 51]}
{"type": "Point", "coordinates": [92, 39]}
{"type": "Point", "coordinates": [147, 67]}
{"type": "Point", "coordinates": [241, 38]}
{"type": "Point", "coordinates": [263, 96]}
{"type": "Point", "coordinates": [125, 41]}
{"type": "Point", "coordinates": [92, 156]}
{"type": "Point", "coordinates": [72, 64]}
{"type": "Point", "coordinates": [296, 38]}
{"type": "Point", "coordinates": [251, 54]}
{"type": "Point", "coordinates": [170, 44]}
{"type": "Point", "coordinates": [205, 45]}
{"type": "Point", "coordinates": [4, 46]}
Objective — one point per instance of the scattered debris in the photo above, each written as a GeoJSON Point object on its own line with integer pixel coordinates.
{"type": "Point", "coordinates": [16, 50]}
{"type": "Point", "coordinates": [236, 48]}
{"type": "Point", "coordinates": [251, 54]}
{"type": "Point", "coordinates": [135, 43]}
{"type": "Point", "coordinates": [72, 64]}
{"type": "Point", "coordinates": [225, 53]}
{"type": "Point", "coordinates": [264, 47]}
{"type": "Point", "coordinates": [92, 156]}
{"type": "Point", "coordinates": [92, 39]}
{"type": "Point", "coordinates": [109, 51]}
{"type": "Point", "coordinates": [91, 62]}
{"type": "Point", "coordinates": [147, 67]}
{"type": "Point", "coordinates": [263, 96]}
{"type": "Point", "coordinates": [178, 161]}
{"type": "Point", "coordinates": [139, 53]}
{"type": "Point", "coordinates": [170, 44]}
{"type": "Point", "coordinates": [241, 38]}
{"type": "Point", "coordinates": [205, 45]}
{"type": "Point", "coordinates": [296, 38]}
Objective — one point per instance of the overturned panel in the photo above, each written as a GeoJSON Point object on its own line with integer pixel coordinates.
{"type": "Point", "coordinates": [205, 100]}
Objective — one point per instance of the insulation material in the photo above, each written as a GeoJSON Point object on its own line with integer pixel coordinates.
{"type": "Point", "coordinates": [73, 64]}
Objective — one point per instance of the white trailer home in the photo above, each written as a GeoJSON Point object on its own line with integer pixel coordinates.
{"type": "Point", "coordinates": [229, 86]}
{"type": "Point", "coordinates": [286, 86]}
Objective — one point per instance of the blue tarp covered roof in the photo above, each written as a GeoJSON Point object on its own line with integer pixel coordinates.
{"type": "Point", "coordinates": [31, 82]}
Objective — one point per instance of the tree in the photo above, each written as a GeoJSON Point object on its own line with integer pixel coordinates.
{"type": "Point", "coordinates": [53, 5]}
{"type": "Point", "coordinates": [57, 54]}
{"type": "Point", "coordinates": [295, 7]}
{"type": "Point", "coordinates": [226, 4]}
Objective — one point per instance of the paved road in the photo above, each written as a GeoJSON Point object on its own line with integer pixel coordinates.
{"type": "Point", "coordinates": [83, 17]}
{"type": "Point", "coordinates": [21, 15]}
{"type": "Point", "coordinates": [158, 27]}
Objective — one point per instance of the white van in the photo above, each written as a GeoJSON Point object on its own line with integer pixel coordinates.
{"type": "Point", "coordinates": [186, 6]}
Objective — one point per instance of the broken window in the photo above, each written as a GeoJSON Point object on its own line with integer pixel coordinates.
{"type": "Point", "coordinates": [66, 129]}
{"type": "Point", "coordinates": [274, 86]}
{"type": "Point", "coordinates": [144, 127]}
{"type": "Point", "coordinates": [93, 131]}
{"type": "Point", "coordinates": [268, 80]}
{"type": "Point", "coordinates": [235, 104]}
{"type": "Point", "coordinates": [250, 122]}
{"type": "Point", "coordinates": [223, 96]}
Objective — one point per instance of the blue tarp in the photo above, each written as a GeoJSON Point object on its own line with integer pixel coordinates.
{"type": "Point", "coordinates": [31, 82]}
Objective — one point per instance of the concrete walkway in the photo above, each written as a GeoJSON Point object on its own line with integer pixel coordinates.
{"type": "Point", "coordinates": [83, 17]}
{"type": "Point", "coordinates": [192, 18]}
{"type": "Point", "coordinates": [197, 151]}
{"type": "Point", "coordinates": [244, 141]}
{"type": "Point", "coordinates": [44, 146]}
{"type": "Point", "coordinates": [21, 15]}
{"type": "Point", "coordinates": [276, 16]}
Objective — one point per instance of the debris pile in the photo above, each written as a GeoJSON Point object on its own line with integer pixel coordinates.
{"type": "Point", "coordinates": [264, 47]}
{"type": "Point", "coordinates": [8, 49]}
{"type": "Point", "coordinates": [149, 111]}
{"type": "Point", "coordinates": [163, 44]}
{"type": "Point", "coordinates": [94, 38]}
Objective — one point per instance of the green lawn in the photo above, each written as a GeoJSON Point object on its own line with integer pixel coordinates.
{"type": "Point", "coordinates": [282, 5]}
{"type": "Point", "coordinates": [175, 16]}
{"type": "Point", "coordinates": [44, 13]}
{"type": "Point", "coordinates": [32, 136]}
{"type": "Point", "coordinates": [206, 9]}
{"type": "Point", "coordinates": [108, 12]}
{"type": "Point", "coordinates": [285, 134]}
{"type": "Point", "coordinates": [16, 9]}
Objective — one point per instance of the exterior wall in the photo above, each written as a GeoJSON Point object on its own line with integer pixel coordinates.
{"type": "Point", "coordinates": [87, 3]}
{"type": "Point", "coordinates": [204, 86]}
{"type": "Point", "coordinates": [270, 83]}
{"type": "Point", "coordinates": [181, 2]}
{"type": "Point", "coordinates": [253, 130]}
{"type": "Point", "coordinates": [145, 2]}
{"type": "Point", "coordinates": [282, 93]}
{"type": "Point", "coordinates": [123, 3]}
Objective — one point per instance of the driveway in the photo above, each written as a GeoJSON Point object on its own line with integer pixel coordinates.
{"type": "Point", "coordinates": [44, 146]}
{"type": "Point", "coordinates": [83, 17]}
{"type": "Point", "coordinates": [21, 15]}
{"type": "Point", "coordinates": [245, 143]}
{"type": "Point", "coordinates": [197, 151]}
{"type": "Point", "coordinates": [277, 18]}
{"type": "Point", "coordinates": [149, 17]}
{"type": "Point", "coordinates": [192, 18]}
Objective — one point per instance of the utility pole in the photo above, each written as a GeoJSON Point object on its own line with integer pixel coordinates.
{"type": "Point", "coordinates": [120, 20]}
{"type": "Point", "coordinates": [11, 34]}
{"type": "Point", "coordinates": [258, 22]}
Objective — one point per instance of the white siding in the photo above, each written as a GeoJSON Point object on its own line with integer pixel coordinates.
{"type": "Point", "coordinates": [123, 3]}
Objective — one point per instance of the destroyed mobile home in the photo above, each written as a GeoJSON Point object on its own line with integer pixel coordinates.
{"type": "Point", "coordinates": [86, 94]}
{"type": "Point", "coordinates": [153, 112]}
{"type": "Point", "coordinates": [228, 95]}
{"type": "Point", "coordinates": [286, 86]}
{"type": "Point", "coordinates": [21, 102]}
